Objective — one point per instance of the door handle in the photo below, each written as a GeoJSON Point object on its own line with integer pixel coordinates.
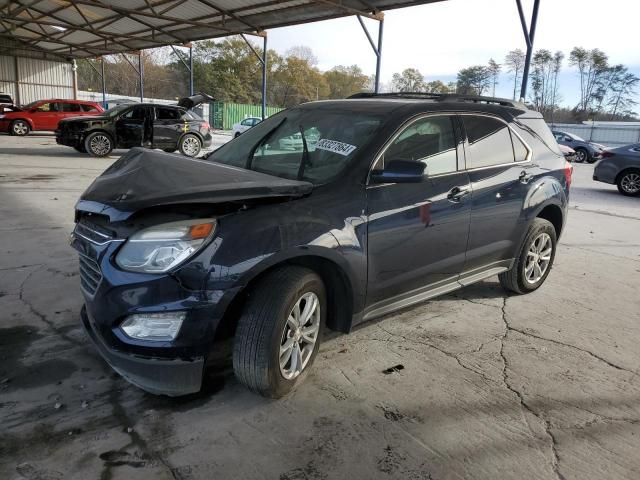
{"type": "Point", "coordinates": [525, 177]}
{"type": "Point", "coordinates": [457, 193]}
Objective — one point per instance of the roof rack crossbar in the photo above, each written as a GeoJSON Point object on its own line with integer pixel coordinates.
{"type": "Point", "coordinates": [444, 97]}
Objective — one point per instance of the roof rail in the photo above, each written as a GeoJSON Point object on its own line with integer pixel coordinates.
{"type": "Point", "coordinates": [444, 97]}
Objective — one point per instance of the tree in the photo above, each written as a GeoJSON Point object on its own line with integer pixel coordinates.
{"type": "Point", "coordinates": [592, 68]}
{"type": "Point", "coordinates": [410, 80]}
{"type": "Point", "coordinates": [438, 87]}
{"type": "Point", "coordinates": [544, 79]}
{"type": "Point", "coordinates": [474, 80]}
{"type": "Point", "coordinates": [345, 81]}
{"type": "Point", "coordinates": [494, 70]}
{"type": "Point", "coordinates": [303, 53]}
{"type": "Point", "coordinates": [514, 62]}
{"type": "Point", "coordinates": [619, 91]}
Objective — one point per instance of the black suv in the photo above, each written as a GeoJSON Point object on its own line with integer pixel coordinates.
{"type": "Point", "coordinates": [166, 127]}
{"type": "Point", "coordinates": [401, 198]}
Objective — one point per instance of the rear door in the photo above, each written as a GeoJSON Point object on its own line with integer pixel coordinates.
{"type": "Point", "coordinates": [499, 166]}
{"type": "Point", "coordinates": [417, 232]}
{"type": "Point", "coordinates": [130, 127]}
{"type": "Point", "coordinates": [69, 110]}
{"type": "Point", "coordinates": [168, 127]}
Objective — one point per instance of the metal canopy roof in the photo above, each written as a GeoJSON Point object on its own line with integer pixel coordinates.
{"type": "Point", "coordinates": [91, 28]}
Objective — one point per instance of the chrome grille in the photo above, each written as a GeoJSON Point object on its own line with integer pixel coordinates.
{"type": "Point", "coordinates": [90, 275]}
{"type": "Point", "coordinates": [92, 232]}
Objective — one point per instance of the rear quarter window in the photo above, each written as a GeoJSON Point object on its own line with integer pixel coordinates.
{"type": "Point", "coordinates": [539, 130]}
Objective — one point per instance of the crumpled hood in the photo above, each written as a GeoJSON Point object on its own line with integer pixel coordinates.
{"type": "Point", "coordinates": [148, 178]}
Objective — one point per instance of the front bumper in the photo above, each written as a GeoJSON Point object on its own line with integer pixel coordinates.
{"type": "Point", "coordinates": [159, 376]}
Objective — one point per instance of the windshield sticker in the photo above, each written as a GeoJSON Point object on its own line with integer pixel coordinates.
{"type": "Point", "coordinates": [334, 146]}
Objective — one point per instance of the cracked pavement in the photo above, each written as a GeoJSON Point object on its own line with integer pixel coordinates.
{"type": "Point", "coordinates": [540, 386]}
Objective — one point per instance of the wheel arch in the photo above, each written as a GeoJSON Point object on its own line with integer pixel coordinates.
{"type": "Point", "coordinates": [626, 170]}
{"type": "Point", "coordinates": [338, 284]}
{"type": "Point", "coordinates": [24, 119]}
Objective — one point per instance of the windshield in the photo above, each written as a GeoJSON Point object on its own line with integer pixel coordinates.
{"type": "Point", "coordinates": [112, 112]}
{"type": "Point", "coordinates": [576, 137]}
{"type": "Point", "coordinates": [334, 135]}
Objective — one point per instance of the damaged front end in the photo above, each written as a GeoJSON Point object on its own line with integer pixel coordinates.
{"type": "Point", "coordinates": [147, 231]}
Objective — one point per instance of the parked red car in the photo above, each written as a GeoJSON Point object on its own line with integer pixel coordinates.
{"type": "Point", "coordinates": [45, 115]}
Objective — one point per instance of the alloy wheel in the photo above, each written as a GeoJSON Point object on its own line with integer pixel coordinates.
{"type": "Point", "coordinates": [100, 145]}
{"type": "Point", "coordinates": [20, 128]}
{"type": "Point", "coordinates": [538, 258]}
{"type": "Point", "coordinates": [581, 155]}
{"type": "Point", "coordinates": [299, 336]}
{"type": "Point", "coordinates": [630, 183]}
{"type": "Point", "coordinates": [191, 146]}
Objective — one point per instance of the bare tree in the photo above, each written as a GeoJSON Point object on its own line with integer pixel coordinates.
{"type": "Point", "coordinates": [494, 70]}
{"type": "Point", "coordinates": [593, 66]}
{"type": "Point", "coordinates": [514, 63]}
{"type": "Point", "coordinates": [410, 80]}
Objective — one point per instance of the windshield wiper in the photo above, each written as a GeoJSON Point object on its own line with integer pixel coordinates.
{"type": "Point", "coordinates": [263, 140]}
{"type": "Point", "coordinates": [304, 161]}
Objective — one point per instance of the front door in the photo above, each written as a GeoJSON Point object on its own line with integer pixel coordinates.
{"type": "Point", "coordinates": [417, 232]}
{"type": "Point", "coordinates": [46, 116]}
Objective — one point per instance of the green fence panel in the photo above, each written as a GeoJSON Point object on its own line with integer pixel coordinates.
{"type": "Point", "coordinates": [222, 115]}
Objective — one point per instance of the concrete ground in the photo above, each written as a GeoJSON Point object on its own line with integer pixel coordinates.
{"type": "Point", "coordinates": [485, 385]}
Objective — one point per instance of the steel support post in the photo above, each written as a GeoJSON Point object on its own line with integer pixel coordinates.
{"type": "Point", "coordinates": [264, 77]}
{"type": "Point", "coordinates": [104, 84]}
{"type": "Point", "coordinates": [191, 70]}
{"type": "Point", "coordinates": [529, 36]}
{"type": "Point", "coordinates": [377, 50]}
{"type": "Point", "coordinates": [141, 75]}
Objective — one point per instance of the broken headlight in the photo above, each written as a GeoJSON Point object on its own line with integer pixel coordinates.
{"type": "Point", "coordinates": [163, 247]}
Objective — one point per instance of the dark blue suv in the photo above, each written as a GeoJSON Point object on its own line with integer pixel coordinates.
{"type": "Point", "coordinates": [388, 201]}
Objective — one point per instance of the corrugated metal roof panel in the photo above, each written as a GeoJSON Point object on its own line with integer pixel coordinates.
{"type": "Point", "coordinates": [128, 24]}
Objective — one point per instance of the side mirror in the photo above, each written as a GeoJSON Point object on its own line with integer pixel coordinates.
{"type": "Point", "coordinates": [400, 171]}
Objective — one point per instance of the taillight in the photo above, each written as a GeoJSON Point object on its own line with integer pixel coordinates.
{"type": "Point", "coordinates": [568, 172]}
{"type": "Point", "coordinates": [207, 126]}
{"type": "Point", "coordinates": [608, 154]}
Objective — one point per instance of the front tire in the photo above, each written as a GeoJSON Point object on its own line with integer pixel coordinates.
{"type": "Point", "coordinates": [582, 155]}
{"type": "Point", "coordinates": [534, 261]}
{"type": "Point", "coordinates": [19, 128]}
{"type": "Point", "coordinates": [629, 183]}
{"type": "Point", "coordinates": [98, 144]}
{"type": "Point", "coordinates": [279, 332]}
{"type": "Point", "coordinates": [190, 145]}
{"type": "Point", "coordinates": [236, 135]}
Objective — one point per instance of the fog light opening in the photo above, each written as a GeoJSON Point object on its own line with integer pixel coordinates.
{"type": "Point", "coordinates": [157, 327]}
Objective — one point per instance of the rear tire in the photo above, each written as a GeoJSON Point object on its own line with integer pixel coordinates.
{"type": "Point", "coordinates": [190, 145]}
{"type": "Point", "coordinates": [98, 144]}
{"type": "Point", "coordinates": [19, 128]}
{"type": "Point", "coordinates": [236, 135]}
{"type": "Point", "coordinates": [534, 262]}
{"type": "Point", "coordinates": [629, 183]}
{"type": "Point", "coordinates": [273, 351]}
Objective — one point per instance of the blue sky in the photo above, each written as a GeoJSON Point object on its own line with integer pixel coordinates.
{"type": "Point", "coordinates": [442, 38]}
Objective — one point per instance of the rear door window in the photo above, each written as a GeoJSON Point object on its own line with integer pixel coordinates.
{"type": "Point", "coordinates": [70, 107]}
{"type": "Point", "coordinates": [167, 113]}
{"type": "Point", "coordinates": [429, 140]}
{"type": "Point", "coordinates": [489, 141]}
